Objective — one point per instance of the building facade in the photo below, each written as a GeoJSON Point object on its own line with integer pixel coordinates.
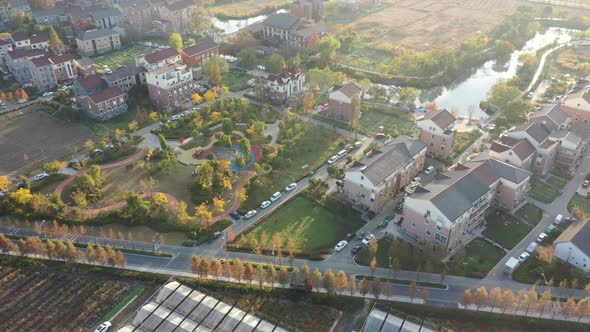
{"type": "Point", "coordinates": [341, 101]}
{"type": "Point", "coordinates": [285, 85]}
{"type": "Point", "coordinates": [197, 54]}
{"type": "Point", "coordinates": [573, 245]}
{"type": "Point", "coordinates": [170, 85]}
{"type": "Point", "coordinates": [17, 62]}
{"type": "Point", "coordinates": [42, 74]}
{"type": "Point", "coordinates": [93, 42]}
{"type": "Point", "coordinates": [126, 78]}
{"type": "Point", "coordinates": [105, 104]}
{"type": "Point", "coordinates": [436, 131]}
{"type": "Point", "coordinates": [178, 14]}
{"type": "Point", "coordinates": [538, 135]}
{"type": "Point", "coordinates": [158, 59]}
{"type": "Point", "coordinates": [577, 105]}
{"type": "Point", "coordinates": [64, 67]}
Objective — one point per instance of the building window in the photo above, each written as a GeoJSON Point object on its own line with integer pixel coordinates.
{"type": "Point", "coordinates": [414, 225]}
{"type": "Point", "coordinates": [438, 228]}
{"type": "Point", "coordinates": [428, 233]}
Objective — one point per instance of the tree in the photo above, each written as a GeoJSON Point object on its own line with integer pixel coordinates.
{"type": "Point", "coordinates": [271, 275]}
{"type": "Point", "coordinates": [308, 102]}
{"type": "Point", "coordinates": [408, 96]}
{"type": "Point", "coordinates": [200, 21]}
{"type": "Point", "coordinates": [219, 205]}
{"type": "Point", "coordinates": [388, 289]}
{"type": "Point", "coordinates": [245, 146]}
{"type": "Point", "coordinates": [121, 259]}
{"type": "Point", "coordinates": [467, 298]}
{"type": "Point", "coordinates": [425, 294]}
{"type": "Point", "coordinates": [42, 4]}
{"type": "Point", "coordinates": [352, 285]}
{"type": "Point", "coordinates": [227, 126]}
{"type": "Point", "coordinates": [480, 297]}
{"type": "Point", "coordinates": [203, 214]}
{"type": "Point", "coordinates": [214, 69]}
{"type": "Point", "coordinates": [210, 96]}
{"type": "Point", "coordinates": [316, 277]}
{"type": "Point", "coordinates": [363, 287]}
{"type": "Point", "coordinates": [247, 57]}
{"type": "Point", "coordinates": [100, 255]}
{"type": "Point", "coordinates": [495, 297]}
{"type": "Point", "coordinates": [373, 266]}
{"type": "Point", "coordinates": [175, 40]}
{"type": "Point", "coordinates": [329, 282]}
{"type": "Point", "coordinates": [395, 266]}
{"type": "Point", "coordinates": [508, 300]}
{"type": "Point", "coordinates": [204, 267]}
{"type": "Point", "coordinates": [376, 288]}
{"type": "Point", "coordinates": [6, 244]}
{"type": "Point", "coordinates": [249, 273]}
{"type": "Point", "coordinates": [568, 308]}
{"type": "Point", "coordinates": [323, 79]}
{"type": "Point", "coordinates": [328, 48]}
{"type": "Point", "coordinates": [238, 269]}
{"type": "Point", "coordinates": [4, 183]}
{"type": "Point", "coordinates": [133, 126]}
{"type": "Point", "coordinates": [190, 42]}
{"type": "Point", "coordinates": [197, 99]}
{"type": "Point", "coordinates": [413, 291]}
{"type": "Point", "coordinates": [55, 43]}
{"type": "Point", "coordinates": [22, 196]}
{"type": "Point", "coordinates": [111, 256]}
{"type": "Point", "coordinates": [373, 246]}
{"type": "Point", "coordinates": [283, 276]}
{"type": "Point", "coordinates": [275, 63]}
{"type": "Point", "coordinates": [583, 308]}
{"type": "Point", "coordinates": [341, 282]}
{"type": "Point", "coordinates": [195, 263]}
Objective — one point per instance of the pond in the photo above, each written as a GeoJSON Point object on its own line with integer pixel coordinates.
{"type": "Point", "coordinates": [234, 25]}
{"type": "Point", "coordinates": [475, 88]}
{"type": "Point", "coordinates": [113, 231]}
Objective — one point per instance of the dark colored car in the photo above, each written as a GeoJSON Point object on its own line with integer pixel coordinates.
{"type": "Point", "coordinates": [349, 236]}
{"type": "Point", "coordinates": [235, 215]}
{"type": "Point", "coordinates": [214, 236]}
{"type": "Point", "coordinates": [356, 249]}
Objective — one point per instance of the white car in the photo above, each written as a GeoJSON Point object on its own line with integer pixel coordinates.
{"type": "Point", "coordinates": [332, 160]}
{"type": "Point", "coordinates": [21, 101]}
{"type": "Point", "coordinates": [541, 237]}
{"type": "Point", "coordinates": [417, 179]}
{"type": "Point", "coordinates": [39, 177]}
{"type": "Point", "coordinates": [2, 193]}
{"type": "Point", "coordinates": [264, 204]}
{"type": "Point", "coordinates": [104, 327]}
{"type": "Point", "coordinates": [250, 214]}
{"type": "Point", "coordinates": [340, 245]}
{"type": "Point", "coordinates": [275, 197]}
{"type": "Point", "coordinates": [368, 239]}
{"type": "Point", "coordinates": [291, 186]}
{"type": "Point", "coordinates": [429, 170]}
{"type": "Point", "coordinates": [47, 94]}
{"type": "Point", "coordinates": [523, 257]}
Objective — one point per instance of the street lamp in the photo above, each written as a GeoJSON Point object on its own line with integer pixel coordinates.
{"type": "Point", "coordinates": [273, 256]}
{"type": "Point", "coordinates": [389, 266]}
{"type": "Point", "coordinates": [543, 274]}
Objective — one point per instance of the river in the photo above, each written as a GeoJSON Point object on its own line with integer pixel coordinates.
{"type": "Point", "coordinates": [231, 26]}
{"type": "Point", "coordinates": [475, 88]}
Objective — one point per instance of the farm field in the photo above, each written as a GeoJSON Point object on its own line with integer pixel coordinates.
{"type": "Point", "coordinates": [56, 301]}
{"type": "Point", "coordinates": [124, 57]}
{"type": "Point", "coordinates": [33, 137]}
{"type": "Point", "coordinates": [246, 8]}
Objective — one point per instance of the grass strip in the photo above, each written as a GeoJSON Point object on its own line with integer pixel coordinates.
{"type": "Point", "coordinates": [403, 281]}
{"type": "Point", "coordinates": [130, 297]}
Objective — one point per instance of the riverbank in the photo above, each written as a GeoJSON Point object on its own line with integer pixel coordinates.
{"type": "Point", "coordinates": [247, 9]}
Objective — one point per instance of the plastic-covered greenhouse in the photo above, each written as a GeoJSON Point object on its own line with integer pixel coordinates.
{"type": "Point", "coordinates": [177, 307]}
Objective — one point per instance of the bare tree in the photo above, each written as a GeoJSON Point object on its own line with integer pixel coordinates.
{"type": "Point", "coordinates": [388, 289]}
{"type": "Point", "coordinates": [425, 294]}
{"type": "Point", "coordinates": [412, 291]}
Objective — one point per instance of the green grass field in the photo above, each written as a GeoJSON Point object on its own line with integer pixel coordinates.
{"type": "Point", "coordinates": [464, 139]}
{"type": "Point", "coordinates": [556, 182]}
{"type": "Point", "coordinates": [530, 213]}
{"type": "Point", "coordinates": [394, 122]}
{"type": "Point", "coordinates": [505, 230]}
{"type": "Point", "coordinates": [124, 57]}
{"type": "Point", "coordinates": [236, 80]}
{"type": "Point", "coordinates": [480, 258]}
{"type": "Point", "coordinates": [530, 272]}
{"type": "Point", "coordinates": [542, 192]}
{"type": "Point", "coordinates": [311, 227]}
{"type": "Point", "coordinates": [580, 202]}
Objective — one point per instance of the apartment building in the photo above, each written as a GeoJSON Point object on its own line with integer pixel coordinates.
{"type": "Point", "coordinates": [447, 210]}
{"type": "Point", "coordinates": [64, 67]}
{"type": "Point", "coordinates": [573, 245]}
{"type": "Point", "coordinates": [86, 67]}
{"type": "Point", "coordinates": [105, 104]}
{"type": "Point", "coordinates": [88, 85]}
{"type": "Point", "coordinates": [23, 41]}
{"type": "Point", "coordinates": [375, 179]}
{"type": "Point", "coordinates": [177, 13]}
{"type": "Point", "coordinates": [307, 9]}
{"type": "Point", "coordinates": [287, 84]}
{"type": "Point", "coordinates": [341, 99]}
{"type": "Point", "coordinates": [17, 62]}
{"type": "Point", "coordinates": [436, 131]}
{"type": "Point", "coordinates": [577, 105]}
{"type": "Point", "coordinates": [516, 152]}
{"type": "Point", "coordinates": [5, 47]}
{"type": "Point", "coordinates": [42, 74]}
{"type": "Point", "coordinates": [95, 41]}
{"type": "Point", "coordinates": [106, 18]}
{"type": "Point", "coordinates": [197, 54]}
{"type": "Point", "coordinates": [170, 85]}
{"type": "Point", "coordinates": [139, 14]}
{"type": "Point", "coordinates": [158, 59]}
{"type": "Point", "coordinates": [126, 77]}
{"type": "Point", "coordinates": [538, 135]}
{"type": "Point", "coordinates": [287, 30]}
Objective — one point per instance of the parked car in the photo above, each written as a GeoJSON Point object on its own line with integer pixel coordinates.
{"type": "Point", "coordinates": [585, 184]}
{"type": "Point", "coordinates": [265, 204]}
{"type": "Point", "coordinates": [275, 197]}
{"type": "Point", "coordinates": [550, 229]}
{"type": "Point", "coordinates": [350, 236]}
{"type": "Point", "coordinates": [291, 186]}
{"type": "Point", "coordinates": [356, 249]}
{"type": "Point", "coordinates": [429, 170]}
{"type": "Point", "coordinates": [368, 239]}
{"type": "Point", "coordinates": [21, 101]}
{"type": "Point", "coordinates": [417, 179]}
{"type": "Point", "coordinates": [235, 215]}
{"type": "Point", "coordinates": [341, 153]}
{"type": "Point", "coordinates": [47, 94]}
{"type": "Point", "coordinates": [340, 245]}
{"type": "Point", "coordinates": [104, 327]}
{"type": "Point", "coordinates": [523, 257]}
{"type": "Point", "coordinates": [250, 214]}
{"type": "Point", "coordinates": [531, 247]}
{"type": "Point", "coordinates": [358, 144]}
{"type": "Point", "coordinates": [332, 160]}
{"type": "Point", "coordinates": [541, 237]}
{"type": "Point", "coordinates": [39, 177]}
{"type": "Point", "coordinates": [558, 219]}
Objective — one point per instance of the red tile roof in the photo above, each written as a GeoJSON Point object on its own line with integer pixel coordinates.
{"type": "Point", "coordinates": [41, 61]}
{"type": "Point", "coordinates": [106, 94]}
{"type": "Point", "coordinates": [62, 58]}
{"type": "Point", "coordinates": [161, 55]}
{"type": "Point", "coordinates": [498, 147]}
{"type": "Point", "coordinates": [17, 54]}
{"type": "Point", "coordinates": [285, 75]}
{"type": "Point", "coordinates": [200, 47]}
{"type": "Point", "coordinates": [41, 38]}
{"type": "Point", "coordinates": [349, 89]}
{"type": "Point", "coordinates": [5, 42]}
{"type": "Point", "coordinates": [91, 82]}
{"type": "Point", "coordinates": [19, 36]}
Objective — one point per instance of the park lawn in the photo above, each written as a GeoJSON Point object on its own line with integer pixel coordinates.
{"type": "Point", "coordinates": [530, 213]}
{"type": "Point", "coordinates": [480, 258]}
{"type": "Point", "coordinates": [311, 227]}
{"type": "Point", "coordinates": [464, 139]}
{"type": "Point", "coordinates": [542, 192]}
{"type": "Point", "coordinates": [530, 271]}
{"type": "Point", "coordinates": [48, 185]}
{"type": "Point", "coordinates": [124, 57]}
{"type": "Point", "coordinates": [311, 151]}
{"type": "Point", "coordinates": [505, 230]}
{"type": "Point", "coordinates": [407, 256]}
{"type": "Point", "coordinates": [395, 122]}
{"type": "Point", "coordinates": [556, 182]}
{"type": "Point", "coordinates": [236, 80]}
{"type": "Point", "coordinates": [580, 202]}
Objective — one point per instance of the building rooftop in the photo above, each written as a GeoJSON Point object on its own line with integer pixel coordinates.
{"type": "Point", "coordinates": [40, 38]}
{"type": "Point", "coordinates": [123, 72]}
{"type": "Point", "coordinates": [105, 12]}
{"type": "Point", "coordinates": [577, 233]}
{"type": "Point", "coordinates": [349, 89]}
{"type": "Point", "coordinates": [19, 36]}
{"type": "Point", "coordinates": [17, 54]}
{"type": "Point", "coordinates": [41, 61]}
{"type": "Point", "coordinates": [106, 94]}
{"type": "Point", "coordinates": [318, 28]}
{"type": "Point", "coordinates": [170, 68]}
{"type": "Point", "coordinates": [92, 82]}
{"type": "Point", "coordinates": [491, 170]}
{"type": "Point", "coordinates": [200, 47]}
{"type": "Point", "coordinates": [93, 34]}
{"type": "Point", "coordinates": [62, 58]}
{"type": "Point", "coordinates": [160, 55]}
{"type": "Point", "coordinates": [5, 42]}
{"type": "Point", "coordinates": [442, 118]}
{"type": "Point", "coordinates": [284, 76]}
{"type": "Point", "coordinates": [283, 21]}
{"type": "Point", "coordinates": [552, 112]}
{"type": "Point", "coordinates": [537, 131]}
{"type": "Point", "coordinates": [86, 62]}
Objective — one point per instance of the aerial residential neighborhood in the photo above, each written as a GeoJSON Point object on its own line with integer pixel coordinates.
{"type": "Point", "coordinates": [294, 165]}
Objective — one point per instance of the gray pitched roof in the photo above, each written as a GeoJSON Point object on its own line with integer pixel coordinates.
{"type": "Point", "coordinates": [579, 234]}
{"type": "Point", "coordinates": [282, 21]}
{"type": "Point", "coordinates": [390, 158]}
{"type": "Point", "coordinates": [537, 131]}
{"type": "Point", "coordinates": [349, 89]}
{"type": "Point", "coordinates": [123, 72]}
{"type": "Point", "coordinates": [552, 112]}
{"type": "Point", "coordinates": [105, 12]}
{"type": "Point", "coordinates": [442, 118]}
{"type": "Point", "coordinates": [93, 34]}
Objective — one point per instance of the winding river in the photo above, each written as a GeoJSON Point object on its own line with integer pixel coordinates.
{"type": "Point", "coordinates": [232, 26]}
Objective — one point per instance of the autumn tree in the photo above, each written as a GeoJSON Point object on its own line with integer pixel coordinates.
{"type": "Point", "coordinates": [388, 289]}
{"type": "Point", "coordinates": [480, 297]}
{"type": "Point", "coordinates": [424, 294]}
{"type": "Point", "coordinates": [175, 40]}
{"type": "Point", "coordinates": [467, 298]}
{"type": "Point", "coordinates": [583, 308]}
{"type": "Point", "coordinates": [215, 268]}
{"type": "Point", "coordinates": [203, 214]}
{"type": "Point", "coordinates": [568, 308]}
{"type": "Point", "coordinates": [271, 276]}
{"type": "Point", "coordinates": [328, 47]}
{"type": "Point", "coordinates": [363, 287]}
{"type": "Point", "coordinates": [308, 102]}
{"type": "Point", "coordinates": [6, 244]}
{"type": "Point", "coordinates": [508, 300]}
{"type": "Point", "coordinates": [204, 267]}
{"type": "Point", "coordinates": [412, 291]}
{"type": "Point", "coordinates": [283, 276]}
{"type": "Point", "coordinates": [54, 166]}
{"type": "Point", "coordinates": [373, 265]}
{"type": "Point", "coordinates": [376, 288]}
{"type": "Point", "coordinates": [214, 68]}
{"type": "Point", "coordinates": [4, 183]}
{"type": "Point", "coordinates": [121, 259]}
{"type": "Point", "coordinates": [495, 297]}
{"type": "Point", "coordinates": [249, 273]}
{"type": "Point", "coordinates": [316, 276]}
{"type": "Point", "coordinates": [195, 263]}
{"type": "Point", "coordinates": [133, 126]}
{"type": "Point", "coordinates": [341, 282]}
{"type": "Point", "coordinates": [22, 196]}
{"type": "Point", "coordinates": [55, 43]}
{"type": "Point", "coordinates": [329, 282]}
{"type": "Point", "coordinates": [219, 204]}
{"type": "Point", "coordinates": [352, 285]}
{"type": "Point", "coordinates": [238, 269]}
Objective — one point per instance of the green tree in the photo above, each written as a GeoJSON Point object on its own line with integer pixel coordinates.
{"type": "Point", "coordinates": [54, 166]}
{"type": "Point", "coordinates": [328, 48]}
{"type": "Point", "coordinates": [175, 40]}
{"type": "Point", "coordinates": [200, 21]}
{"type": "Point", "coordinates": [55, 43]}
{"type": "Point", "coordinates": [227, 126]}
{"type": "Point", "coordinates": [247, 57]}
{"type": "Point", "coordinates": [275, 63]}
{"type": "Point", "coordinates": [245, 147]}
{"type": "Point", "coordinates": [214, 69]}
{"type": "Point", "coordinates": [190, 42]}
{"type": "Point", "coordinates": [408, 96]}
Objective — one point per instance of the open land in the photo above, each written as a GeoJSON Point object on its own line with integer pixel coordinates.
{"type": "Point", "coordinates": [246, 8]}
{"type": "Point", "coordinates": [124, 57]}
{"type": "Point", "coordinates": [43, 137]}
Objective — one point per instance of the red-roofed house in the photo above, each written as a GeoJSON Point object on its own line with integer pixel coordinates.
{"type": "Point", "coordinates": [197, 54]}
{"type": "Point", "coordinates": [42, 74]}
{"type": "Point", "coordinates": [516, 152]}
{"type": "Point", "coordinates": [158, 59]}
{"type": "Point", "coordinates": [538, 136]}
{"type": "Point", "coordinates": [88, 85]}
{"type": "Point", "coordinates": [64, 67]}
{"type": "Point", "coordinates": [340, 104]}
{"type": "Point", "coordinates": [105, 104]}
{"type": "Point", "coordinates": [436, 130]}
{"type": "Point", "coordinates": [286, 84]}
{"type": "Point", "coordinates": [577, 105]}
{"type": "Point", "coordinates": [23, 41]}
